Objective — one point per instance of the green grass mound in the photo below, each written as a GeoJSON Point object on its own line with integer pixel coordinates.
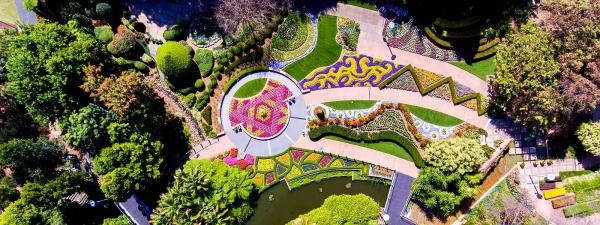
{"type": "Point", "coordinates": [325, 53]}
{"type": "Point", "coordinates": [251, 88]}
{"type": "Point", "coordinates": [434, 117]}
{"type": "Point", "coordinates": [381, 146]}
{"type": "Point", "coordinates": [351, 104]}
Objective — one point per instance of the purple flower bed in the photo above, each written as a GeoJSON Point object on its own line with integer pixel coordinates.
{"type": "Point", "coordinates": [414, 40]}
{"type": "Point", "coordinates": [230, 160]}
{"type": "Point", "coordinates": [325, 161]}
{"type": "Point", "coordinates": [351, 71]}
{"type": "Point", "coordinates": [280, 169]}
{"type": "Point", "coordinates": [270, 178]}
{"type": "Point", "coordinates": [348, 162]}
{"type": "Point", "coordinates": [308, 167]}
{"type": "Point", "coordinates": [297, 155]}
{"type": "Point", "coordinates": [462, 90]}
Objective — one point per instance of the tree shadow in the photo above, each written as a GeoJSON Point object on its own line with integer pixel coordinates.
{"type": "Point", "coordinates": [168, 12]}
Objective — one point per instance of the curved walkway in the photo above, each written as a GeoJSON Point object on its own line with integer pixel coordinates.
{"type": "Point", "coordinates": [395, 95]}
{"type": "Point", "coordinates": [25, 16]}
{"type": "Point", "coordinates": [370, 42]}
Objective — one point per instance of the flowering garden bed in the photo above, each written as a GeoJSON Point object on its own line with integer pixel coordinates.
{"type": "Point", "coordinates": [294, 165]}
{"type": "Point", "coordinates": [350, 71]}
{"type": "Point", "coordinates": [264, 115]}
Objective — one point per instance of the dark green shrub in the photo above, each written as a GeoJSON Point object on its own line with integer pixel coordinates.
{"type": "Point", "coordinates": [229, 55]}
{"type": "Point", "coordinates": [173, 60]}
{"type": "Point", "coordinates": [147, 59]}
{"type": "Point", "coordinates": [123, 43]}
{"type": "Point", "coordinates": [104, 34]}
{"type": "Point", "coordinates": [139, 65]}
{"type": "Point", "coordinates": [235, 50]}
{"type": "Point", "coordinates": [137, 26]}
{"type": "Point", "coordinates": [103, 10]}
{"type": "Point", "coordinates": [202, 101]}
{"type": "Point", "coordinates": [213, 82]}
{"type": "Point", "coordinates": [189, 100]}
{"type": "Point", "coordinates": [123, 61]}
{"type": "Point", "coordinates": [219, 68]}
{"type": "Point", "coordinates": [206, 114]}
{"type": "Point", "coordinates": [199, 85]}
{"type": "Point", "coordinates": [173, 33]}
{"type": "Point", "coordinates": [251, 57]}
{"type": "Point", "coordinates": [204, 59]}
{"type": "Point", "coordinates": [186, 90]}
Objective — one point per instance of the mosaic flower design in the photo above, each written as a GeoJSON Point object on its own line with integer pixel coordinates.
{"type": "Point", "coordinates": [295, 172]}
{"type": "Point", "coordinates": [281, 169]}
{"type": "Point", "coordinates": [285, 159]}
{"type": "Point", "coordinates": [264, 115]}
{"type": "Point", "coordinates": [351, 71]}
{"type": "Point", "coordinates": [308, 167]}
{"type": "Point", "coordinates": [265, 164]}
{"type": "Point", "coordinates": [259, 179]}
{"type": "Point", "coordinates": [325, 160]}
{"type": "Point", "coordinates": [297, 154]}
{"type": "Point", "coordinates": [269, 178]}
{"type": "Point", "coordinates": [312, 158]}
{"type": "Point", "coordinates": [348, 162]}
{"type": "Point", "coordinates": [337, 163]}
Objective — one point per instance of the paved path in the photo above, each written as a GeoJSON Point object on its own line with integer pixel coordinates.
{"type": "Point", "coordinates": [398, 198]}
{"type": "Point", "coordinates": [370, 42]}
{"type": "Point", "coordinates": [395, 95]}
{"type": "Point", "coordinates": [25, 16]}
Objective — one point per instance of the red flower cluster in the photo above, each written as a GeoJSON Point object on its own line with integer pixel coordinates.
{"type": "Point", "coordinates": [233, 152]}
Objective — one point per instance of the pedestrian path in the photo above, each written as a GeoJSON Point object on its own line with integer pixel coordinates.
{"type": "Point", "coordinates": [25, 16]}
{"type": "Point", "coordinates": [370, 42]}
{"type": "Point", "coordinates": [396, 95]}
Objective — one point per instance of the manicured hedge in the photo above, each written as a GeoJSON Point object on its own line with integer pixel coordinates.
{"type": "Point", "coordinates": [350, 134]}
{"type": "Point", "coordinates": [553, 193]}
{"type": "Point", "coordinates": [584, 209]}
{"type": "Point", "coordinates": [173, 33]}
{"type": "Point", "coordinates": [250, 57]}
{"type": "Point", "coordinates": [173, 59]}
{"type": "Point", "coordinates": [481, 107]}
{"type": "Point", "coordinates": [199, 84]}
{"type": "Point", "coordinates": [206, 114]}
{"type": "Point", "coordinates": [567, 174]}
{"type": "Point", "coordinates": [104, 34]}
{"type": "Point", "coordinates": [204, 59]}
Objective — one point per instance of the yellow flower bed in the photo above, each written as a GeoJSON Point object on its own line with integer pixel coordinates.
{"type": "Point", "coordinates": [265, 165]}
{"type": "Point", "coordinates": [284, 159]}
{"type": "Point", "coordinates": [312, 158]}
{"type": "Point", "coordinates": [553, 193]}
{"type": "Point", "coordinates": [337, 163]}
{"type": "Point", "coordinates": [295, 172]}
{"type": "Point", "coordinates": [259, 179]}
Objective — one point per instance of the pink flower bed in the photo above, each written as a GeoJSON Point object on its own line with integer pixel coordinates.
{"type": "Point", "coordinates": [269, 178]}
{"type": "Point", "coordinates": [264, 115]}
{"type": "Point", "coordinates": [297, 155]}
{"type": "Point", "coordinates": [231, 159]}
{"type": "Point", "coordinates": [325, 160]}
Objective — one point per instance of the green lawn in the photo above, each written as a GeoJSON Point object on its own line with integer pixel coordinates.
{"type": "Point", "coordinates": [382, 146]}
{"type": "Point", "coordinates": [251, 88]}
{"type": "Point", "coordinates": [9, 11]}
{"type": "Point", "coordinates": [351, 104]}
{"type": "Point", "coordinates": [326, 52]}
{"type": "Point", "coordinates": [434, 117]}
{"type": "Point", "coordinates": [360, 3]}
{"type": "Point", "coordinates": [481, 69]}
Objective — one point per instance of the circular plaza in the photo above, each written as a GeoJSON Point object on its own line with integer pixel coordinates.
{"type": "Point", "coordinates": [266, 122]}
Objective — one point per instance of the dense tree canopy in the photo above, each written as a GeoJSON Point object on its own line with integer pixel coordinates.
{"type": "Point", "coordinates": [229, 14]}
{"type": "Point", "coordinates": [121, 220]}
{"type": "Point", "coordinates": [8, 191]}
{"type": "Point", "coordinates": [31, 159]}
{"type": "Point", "coordinates": [119, 94]}
{"type": "Point", "coordinates": [118, 184]}
{"type": "Point", "coordinates": [206, 192]}
{"type": "Point", "coordinates": [460, 155]}
{"type": "Point", "coordinates": [45, 67]}
{"type": "Point", "coordinates": [342, 209]}
{"type": "Point", "coordinates": [46, 203]}
{"type": "Point", "coordinates": [443, 192]}
{"type": "Point", "coordinates": [589, 135]}
{"type": "Point", "coordinates": [526, 76]}
{"type": "Point", "coordinates": [86, 128]}
{"type": "Point", "coordinates": [14, 120]}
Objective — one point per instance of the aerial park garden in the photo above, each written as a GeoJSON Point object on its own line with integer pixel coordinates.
{"type": "Point", "coordinates": [299, 112]}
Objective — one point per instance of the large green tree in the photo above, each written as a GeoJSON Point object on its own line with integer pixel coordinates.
{"type": "Point", "coordinates": [206, 192]}
{"type": "Point", "coordinates": [118, 184]}
{"type": "Point", "coordinates": [589, 135]}
{"type": "Point", "coordinates": [44, 67]}
{"type": "Point", "coordinates": [460, 155]}
{"type": "Point", "coordinates": [46, 203]}
{"type": "Point", "coordinates": [526, 76]}
{"type": "Point", "coordinates": [443, 192]}
{"type": "Point", "coordinates": [14, 120]}
{"type": "Point", "coordinates": [342, 209]}
{"type": "Point", "coordinates": [8, 190]}
{"type": "Point", "coordinates": [31, 159]}
{"type": "Point", "coordinates": [86, 128]}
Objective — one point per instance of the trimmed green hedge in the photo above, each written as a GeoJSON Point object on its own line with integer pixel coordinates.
{"type": "Point", "coordinates": [319, 132]}
{"type": "Point", "coordinates": [481, 108]}
{"type": "Point", "coordinates": [204, 59]}
{"type": "Point", "coordinates": [173, 59]}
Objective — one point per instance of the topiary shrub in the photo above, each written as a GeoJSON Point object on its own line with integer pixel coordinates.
{"type": "Point", "coordinates": [147, 58]}
{"type": "Point", "coordinates": [122, 43]}
{"type": "Point", "coordinates": [199, 85]}
{"type": "Point", "coordinates": [189, 100]}
{"type": "Point", "coordinates": [187, 90]}
{"type": "Point", "coordinates": [140, 65]}
{"type": "Point", "coordinates": [173, 60]}
{"type": "Point", "coordinates": [204, 59]}
{"type": "Point", "coordinates": [218, 68]}
{"type": "Point", "coordinates": [173, 33]}
{"type": "Point", "coordinates": [103, 10]}
{"type": "Point", "coordinates": [104, 34]}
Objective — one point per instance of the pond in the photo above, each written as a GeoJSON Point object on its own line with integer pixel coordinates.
{"type": "Point", "coordinates": [287, 205]}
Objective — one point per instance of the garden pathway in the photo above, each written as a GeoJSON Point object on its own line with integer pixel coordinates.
{"type": "Point", "coordinates": [370, 42]}
{"type": "Point", "coordinates": [25, 16]}
{"type": "Point", "coordinates": [395, 95]}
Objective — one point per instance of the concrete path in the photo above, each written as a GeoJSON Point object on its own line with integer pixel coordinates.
{"type": "Point", "coordinates": [395, 95]}
{"type": "Point", "coordinates": [370, 42]}
{"type": "Point", "coordinates": [25, 16]}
